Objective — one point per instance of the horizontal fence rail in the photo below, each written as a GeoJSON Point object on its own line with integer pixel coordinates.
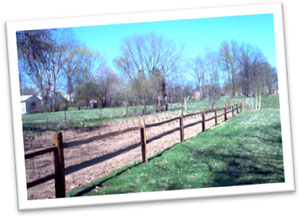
{"type": "Point", "coordinates": [59, 145]}
{"type": "Point", "coordinates": [41, 180]}
{"type": "Point", "coordinates": [162, 135]}
{"type": "Point", "coordinates": [35, 153]}
{"type": "Point", "coordinates": [161, 123]}
{"type": "Point", "coordinates": [192, 114]}
{"type": "Point", "coordinates": [192, 124]}
{"type": "Point", "coordinates": [98, 137]}
{"type": "Point", "coordinates": [209, 119]}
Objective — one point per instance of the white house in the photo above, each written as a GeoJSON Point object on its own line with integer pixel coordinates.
{"type": "Point", "coordinates": [30, 104]}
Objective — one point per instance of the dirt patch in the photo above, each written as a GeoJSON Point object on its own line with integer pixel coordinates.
{"type": "Point", "coordinates": [95, 159]}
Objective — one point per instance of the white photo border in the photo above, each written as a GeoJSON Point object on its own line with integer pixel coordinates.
{"type": "Point", "coordinates": [275, 9]}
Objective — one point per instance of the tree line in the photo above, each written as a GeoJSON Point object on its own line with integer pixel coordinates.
{"type": "Point", "coordinates": [150, 70]}
{"type": "Point", "coordinates": [234, 70]}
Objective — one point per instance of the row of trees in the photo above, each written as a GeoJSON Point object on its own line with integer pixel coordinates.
{"type": "Point", "coordinates": [233, 70]}
{"type": "Point", "coordinates": [150, 70]}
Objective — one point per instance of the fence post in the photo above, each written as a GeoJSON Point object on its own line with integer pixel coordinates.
{"type": "Point", "coordinates": [225, 113]}
{"type": "Point", "coordinates": [241, 107]}
{"type": "Point", "coordinates": [216, 119]}
{"type": "Point", "coordinates": [237, 108]}
{"type": "Point", "coordinates": [167, 107]}
{"type": "Point", "coordinates": [181, 125]}
{"type": "Point", "coordinates": [232, 110]}
{"type": "Point", "coordinates": [60, 185]}
{"type": "Point", "coordinates": [143, 140]}
{"type": "Point", "coordinates": [203, 119]}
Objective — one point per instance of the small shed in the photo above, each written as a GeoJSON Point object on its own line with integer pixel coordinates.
{"type": "Point", "coordinates": [30, 104]}
{"type": "Point", "coordinates": [93, 103]}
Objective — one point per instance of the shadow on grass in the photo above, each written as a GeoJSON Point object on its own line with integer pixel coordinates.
{"type": "Point", "coordinates": [243, 170]}
{"type": "Point", "coordinates": [244, 163]}
{"type": "Point", "coordinates": [244, 156]}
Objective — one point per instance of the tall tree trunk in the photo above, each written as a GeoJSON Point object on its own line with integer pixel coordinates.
{"type": "Point", "coordinates": [54, 101]}
{"type": "Point", "coordinates": [164, 90]}
{"type": "Point", "coordinates": [158, 103]}
{"type": "Point", "coordinates": [260, 92]}
{"type": "Point", "coordinates": [233, 86]}
{"type": "Point", "coordinates": [256, 101]}
{"type": "Point", "coordinates": [144, 108]}
{"type": "Point", "coordinates": [125, 105]}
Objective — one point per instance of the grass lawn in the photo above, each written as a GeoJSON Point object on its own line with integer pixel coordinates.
{"type": "Point", "coordinates": [33, 124]}
{"type": "Point", "coordinates": [247, 149]}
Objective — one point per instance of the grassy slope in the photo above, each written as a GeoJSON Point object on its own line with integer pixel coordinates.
{"type": "Point", "coordinates": [245, 150]}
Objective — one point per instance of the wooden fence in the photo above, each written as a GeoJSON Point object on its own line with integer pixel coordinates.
{"type": "Point", "coordinates": [59, 145]}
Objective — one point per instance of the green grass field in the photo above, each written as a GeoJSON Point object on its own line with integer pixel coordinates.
{"type": "Point", "coordinates": [34, 124]}
{"type": "Point", "coordinates": [246, 150]}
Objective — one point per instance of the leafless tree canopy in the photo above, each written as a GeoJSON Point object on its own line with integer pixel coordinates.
{"type": "Point", "coordinates": [150, 70]}
{"type": "Point", "coordinates": [234, 70]}
{"type": "Point", "coordinates": [147, 61]}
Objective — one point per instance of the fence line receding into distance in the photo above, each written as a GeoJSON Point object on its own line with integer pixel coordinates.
{"type": "Point", "coordinates": [59, 145]}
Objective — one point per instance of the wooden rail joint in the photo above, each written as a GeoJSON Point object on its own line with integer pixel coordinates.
{"type": "Point", "coordinates": [225, 112]}
{"type": "Point", "coordinates": [216, 118]}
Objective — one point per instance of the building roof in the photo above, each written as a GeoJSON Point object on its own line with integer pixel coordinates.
{"type": "Point", "coordinates": [26, 97]}
{"type": "Point", "coordinates": [93, 101]}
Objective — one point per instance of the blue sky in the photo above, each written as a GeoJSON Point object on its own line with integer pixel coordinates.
{"type": "Point", "coordinates": [196, 34]}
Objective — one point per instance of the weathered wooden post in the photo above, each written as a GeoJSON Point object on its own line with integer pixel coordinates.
{"type": "Point", "coordinates": [225, 113]}
{"type": "Point", "coordinates": [203, 119]}
{"type": "Point", "coordinates": [167, 107]}
{"type": "Point", "coordinates": [181, 125]}
{"type": "Point", "coordinates": [232, 110]}
{"type": "Point", "coordinates": [216, 119]}
{"type": "Point", "coordinates": [143, 140]}
{"type": "Point", "coordinates": [60, 185]}
{"type": "Point", "coordinates": [241, 107]}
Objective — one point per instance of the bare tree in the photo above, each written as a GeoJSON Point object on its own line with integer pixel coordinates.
{"type": "Point", "coordinates": [198, 74]}
{"type": "Point", "coordinates": [34, 46]}
{"type": "Point", "coordinates": [253, 73]}
{"type": "Point", "coordinates": [85, 82]}
{"type": "Point", "coordinates": [41, 61]}
{"type": "Point", "coordinates": [212, 76]}
{"type": "Point", "coordinates": [143, 55]}
{"type": "Point", "coordinates": [228, 55]}
{"type": "Point", "coordinates": [107, 81]}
